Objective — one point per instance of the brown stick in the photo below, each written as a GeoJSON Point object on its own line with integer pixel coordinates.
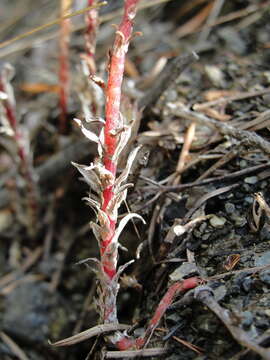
{"type": "Point", "coordinates": [205, 295]}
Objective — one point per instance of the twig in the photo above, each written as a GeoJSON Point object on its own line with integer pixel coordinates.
{"type": "Point", "coordinates": [211, 18]}
{"type": "Point", "coordinates": [239, 14]}
{"type": "Point", "coordinates": [184, 152]}
{"type": "Point", "coordinates": [134, 353]}
{"type": "Point", "coordinates": [87, 334]}
{"type": "Point", "coordinates": [233, 176]}
{"type": "Point", "coordinates": [195, 22]}
{"type": "Point", "coordinates": [170, 73]}
{"type": "Point", "coordinates": [229, 99]}
{"type": "Point", "coordinates": [208, 196]}
{"type": "Point", "coordinates": [260, 339]}
{"type": "Point", "coordinates": [251, 270]}
{"type": "Point", "coordinates": [222, 161]}
{"type": "Point", "coordinates": [205, 295]}
{"type": "Point", "coordinates": [250, 138]}
{"type": "Point", "coordinates": [17, 351]}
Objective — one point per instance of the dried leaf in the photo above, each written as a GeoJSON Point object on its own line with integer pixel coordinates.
{"type": "Point", "coordinates": [231, 261]}
{"type": "Point", "coordinates": [124, 175]}
{"type": "Point", "coordinates": [87, 133]}
{"type": "Point", "coordinates": [122, 142]}
{"type": "Point", "coordinates": [123, 223]}
{"type": "Point", "coordinates": [89, 176]}
{"type": "Point", "coordinates": [121, 269]}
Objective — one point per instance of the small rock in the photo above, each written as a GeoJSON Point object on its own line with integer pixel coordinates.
{"type": "Point", "coordinates": [220, 292]}
{"type": "Point", "coordinates": [249, 199]}
{"type": "Point", "coordinates": [184, 270]}
{"type": "Point", "coordinates": [229, 207]}
{"type": "Point", "coordinates": [247, 284]}
{"type": "Point", "coordinates": [247, 319]}
{"type": "Point", "coordinates": [240, 221]}
{"type": "Point", "coordinates": [217, 222]}
{"type": "Point", "coordinates": [215, 75]}
{"type": "Point", "coordinates": [28, 318]}
{"type": "Point", "coordinates": [251, 180]}
{"type": "Point", "coordinates": [243, 164]}
{"type": "Point", "coordinates": [262, 259]}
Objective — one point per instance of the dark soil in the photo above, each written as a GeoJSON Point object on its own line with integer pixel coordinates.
{"type": "Point", "coordinates": [43, 293]}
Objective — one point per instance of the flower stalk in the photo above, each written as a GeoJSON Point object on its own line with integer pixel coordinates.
{"type": "Point", "coordinates": [111, 191]}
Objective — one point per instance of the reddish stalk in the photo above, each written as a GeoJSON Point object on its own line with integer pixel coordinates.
{"type": "Point", "coordinates": [25, 166]}
{"type": "Point", "coordinates": [166, 301]}
{"type": "Point", "coordinates": [92, 23]}
{"type": "Point", "coordinates": [114, 125]}
{"type": "Point", "coordinates": [65, 8]}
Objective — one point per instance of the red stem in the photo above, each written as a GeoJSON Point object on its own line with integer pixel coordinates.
{"type": "Point", "coordinates": [166, 301]}
{"type": "Point", "coordinates": [112, 125]}
{"type": "Point", "coordinates": [25, 164]}
{"type": "Point", "coordinates": [92, 23]}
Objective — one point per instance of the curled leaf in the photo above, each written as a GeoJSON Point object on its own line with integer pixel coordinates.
{"type": "Point", "coordinates": [87, 133]}
{"type": "Point", "coordinates": [121, 269]}
{"type": "Point", "coordinates": [123, 223]}
{"type": "Point", "coordinates": [122, 142]}
{"type": "Point", "coordinates": [124, 175]}
{"type": "Point", "coordinates": [90, 176]}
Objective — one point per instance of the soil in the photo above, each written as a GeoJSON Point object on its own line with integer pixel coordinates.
{"type": "Point", "coordinates": [217, 229]}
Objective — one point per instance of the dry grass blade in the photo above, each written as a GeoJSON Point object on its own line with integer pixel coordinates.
{"type": "Point", "coordinates": [49, 24]}
{"type": "Point", "coordinates": [134, 353]}
{"type": "Point", "coordinates": [197, 20]}
{"type": "Point", "coordinates": [108, 17]}
{"type": "Point", "coordinates": [251, 138]}
{"type": "Point", "coordinates": [192, 347]}
{"type": "Point", "coordinates": [17, 351]}
{"type": "Point", "coordinates": [87, 334]}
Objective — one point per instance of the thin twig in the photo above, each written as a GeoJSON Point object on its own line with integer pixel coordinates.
{"type": "Point", "coordinates": [250, 138]}
{"type": "Point", "coordinates": [206, 197]}
{"type": "Point", "coordinates": [17, 351]}
{"type": "Point", "coordinates": [229, 99]}
{"type": "Point", "coordinates": [251, 270]}
{"type": "Point", "coordinates": [205, 295]}
{"type": "Point", "coordinates": [211, 18]}
{"type": "Point", "coordinates": [169, 75]}
{"type": "Point", "coordinates": [89, 333]}
{"type": "Point", "coordinates": [134, 353]}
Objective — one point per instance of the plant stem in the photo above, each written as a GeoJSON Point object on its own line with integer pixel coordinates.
{"type": "Point", "coordinates": [25, 165]}
{"type": "Point", "coordinates": [113, 126]}
{"type": "Point", "coordinates": [92, 22]}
